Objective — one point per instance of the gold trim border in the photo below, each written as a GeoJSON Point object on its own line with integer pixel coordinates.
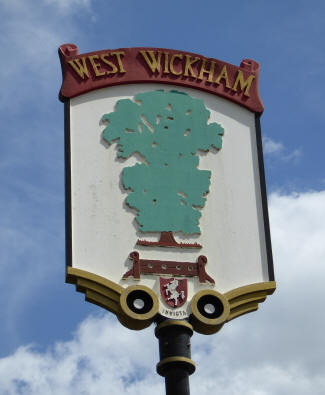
{"type": "Point", "coordinates": [189, 363]}
{"type": "Point", "coordinates": [97, 289]}
{"type": "Point", "coordinates": [200, 317]}
{"type": "Point", "coordinates": [168, 323]}
{"type": "Point", "coordinates": [107, 294]}
{"type": "Point", "coordinates": [142, 317]}
{"type": "Point", "coordinates": [242, 300]}
{"type": "Point", "coordinates": [246, 299]}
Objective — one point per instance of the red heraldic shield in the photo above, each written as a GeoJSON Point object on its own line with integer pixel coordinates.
{"type": "Point", "coordinates": [173, 291]}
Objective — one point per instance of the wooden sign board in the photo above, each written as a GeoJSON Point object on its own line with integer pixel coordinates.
{"type": "Point", "coordinates": [166, 201]}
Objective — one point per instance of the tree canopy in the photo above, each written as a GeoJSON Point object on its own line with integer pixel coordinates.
{"type": "Point", "coordinates": [166, 128]}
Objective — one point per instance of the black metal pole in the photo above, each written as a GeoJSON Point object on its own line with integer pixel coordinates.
{"type": "Point", "coordinates": [175, 355]}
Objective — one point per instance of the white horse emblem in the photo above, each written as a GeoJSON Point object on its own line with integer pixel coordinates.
{"type": "Point", "coordinates": [172, 293]}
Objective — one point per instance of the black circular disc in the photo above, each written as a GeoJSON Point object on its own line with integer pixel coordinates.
{"type": "Point", "coordinates": [142, 296]}
{"type": "Point", "coordinates": [217, 304]}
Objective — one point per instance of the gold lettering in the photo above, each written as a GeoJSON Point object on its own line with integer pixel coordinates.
{"type": "Point", "coordinates": [95, 65]}
{"type": "Point", "coordinates": [166, 70]}
{"type": "Point", "coordinates": [188, 65]}
{"type": "Point", "coordinates": [81, 70]}
{"type": "Point", "coordinates": [172, 60]}
{"type": "Point", "coordinates": [154, 63]}
{"type": "Point", "coordinates": [223, 76]}
{"type": "Point", "coordinates": [204, 70]}
{"type": "Point", "coordinates": [242, 83]}
{"type": "Point", "coordinates": [119, 60]}
{"type": "Point", "coordinates": [112, 65]}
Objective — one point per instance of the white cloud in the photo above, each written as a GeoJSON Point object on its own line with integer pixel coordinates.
{"type": "Point", "coordinates": [270, 146]}
{"type": "Point", "coordinates": [30, 34]}
{"type": "Point", "coordinates": [69, 5]}
{"type": "Point", "coordinates": [275, 351]}
{"type": "Point", "coordinates": [66, 5]}
{"type": "Point", "coordinates": [102, 358]}
{"type": "Point", "coordinates": [278, 151]}
{"type": "Point", "coordinates": [292, 156]}
{"type": "Point", "coordinates": [31, 160]}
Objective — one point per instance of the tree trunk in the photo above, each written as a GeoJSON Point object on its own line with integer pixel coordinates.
{"type": "Point", "coordinates": [167, 239]}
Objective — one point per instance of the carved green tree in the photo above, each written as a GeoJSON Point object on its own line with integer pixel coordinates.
{"type": "Point", "coordinates": [166, 128]}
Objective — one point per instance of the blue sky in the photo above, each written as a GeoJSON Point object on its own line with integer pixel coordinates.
{"type": "Point", "coordinates": [51, 341]}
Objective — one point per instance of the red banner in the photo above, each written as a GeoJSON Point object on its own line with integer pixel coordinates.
{"type": "Point", "coordinates": [94, 70]}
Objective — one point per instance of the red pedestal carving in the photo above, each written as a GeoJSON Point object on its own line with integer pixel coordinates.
{"type": "Point", "coordinates": [149, 266]}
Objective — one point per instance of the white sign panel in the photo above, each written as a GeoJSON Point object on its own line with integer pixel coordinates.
{"type": "Point", "coordinates": [166, 204]}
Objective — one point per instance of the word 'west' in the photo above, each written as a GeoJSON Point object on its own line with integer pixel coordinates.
{"type": "Point", "coordinates": [104, 64]}
{"type": "Point", "coordinates": [160, 63]}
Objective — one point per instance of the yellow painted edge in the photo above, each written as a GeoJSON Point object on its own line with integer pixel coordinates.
{"type": "Point", "coordinates": [268, 286]}
{"type": "Point", "coordinates": [204, 329]}
{"type": "Point", "coordinates": [107, 294]}
{"type": "Point", "coordinates": [241, 301]}
{"type": "Point", "coordinates": [83, 285]}
{"type": "Point", "coordinates": [110, 305]}
{"type": "Point", "coordinates": [102, 301]}
{"type": "Point", "coordinates": [245, 299]}
{"type": "Point", "coordinates": [133, 324]}
{"type": "Point", "coordinates": [129, 313]}
{"type": "Point", "coordinates": [258, 297]}
{"type": "Point", "coordinates": [72, 274]}
{"type": "Point", "coordinates": [243, 309]}
{"type": "Point", "coordinates": [164, 361]}
{"type": "Point", "coordinates": [165, 324]}
{"type": "Point", "coordinates": [210, 321]}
